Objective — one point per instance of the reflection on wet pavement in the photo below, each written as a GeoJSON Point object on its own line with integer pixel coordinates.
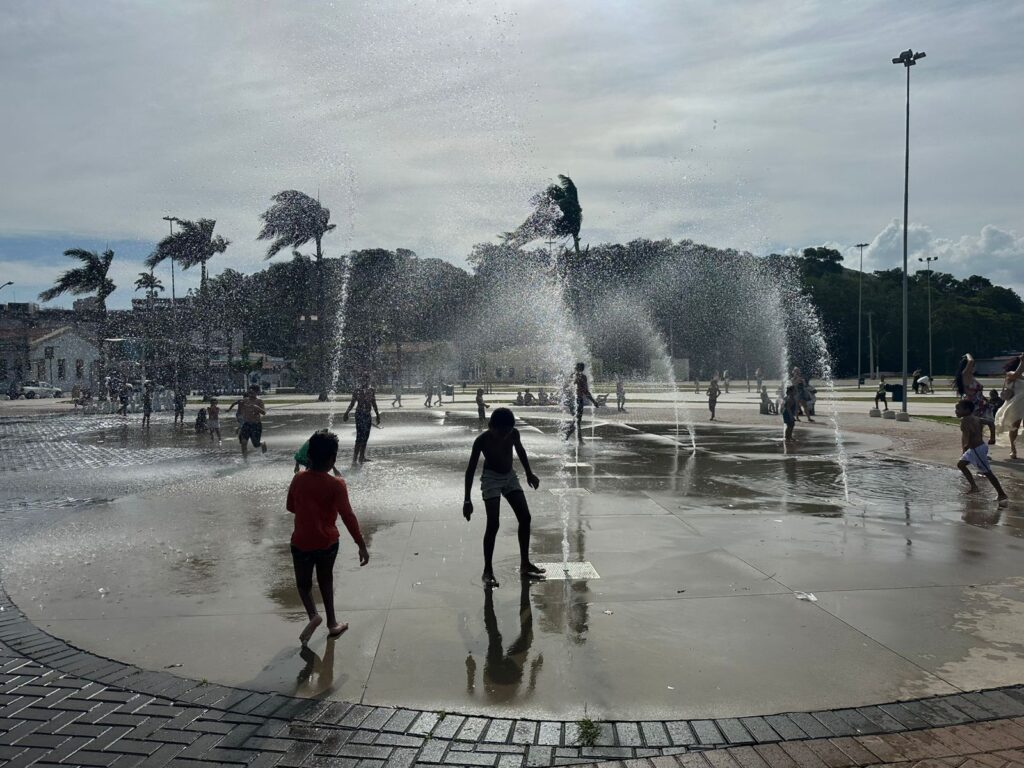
{"type": "Point", "coordinates": [164, 548]}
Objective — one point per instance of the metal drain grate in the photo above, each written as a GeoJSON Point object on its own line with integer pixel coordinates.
{"type": "Point", "coordinates": [569, 491]}
{"type": "Point", "coordinates": [570, 571]}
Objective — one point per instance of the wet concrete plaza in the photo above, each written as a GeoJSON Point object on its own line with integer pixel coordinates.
{"type": "Point", "coordinates": [168, 552]}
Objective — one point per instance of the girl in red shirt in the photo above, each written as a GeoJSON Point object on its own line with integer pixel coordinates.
{"type": "Point", "coordinates": [317, 500]}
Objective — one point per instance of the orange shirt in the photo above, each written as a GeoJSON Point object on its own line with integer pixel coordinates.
{"type": "Point", "coordinates": [317, 499]}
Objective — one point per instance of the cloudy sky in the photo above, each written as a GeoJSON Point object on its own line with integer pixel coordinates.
{"type": "Point", "coordinates": [428, 124]}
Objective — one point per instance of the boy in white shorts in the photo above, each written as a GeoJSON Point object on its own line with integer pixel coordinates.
{"type": "Point", "coordinates": [213, 419]}
{"type": "Point", "coordinates": [975, 450]}
{"type": "Point", "coordinates": [500, 479]}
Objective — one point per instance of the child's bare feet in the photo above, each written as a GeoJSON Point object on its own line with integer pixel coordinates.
{"type": "Point", "coordinates": [531, 571]}
{"type": "Point", "coordinates": [337, 630]}
{"type": "Point", "coordinates": [307, 633]}
{"type": "Point", "coordinates": [972, 489]}
{"type": "Point", "coordinates": [263, 447]}
{"type": "Point", "coordinates": [489, 581]}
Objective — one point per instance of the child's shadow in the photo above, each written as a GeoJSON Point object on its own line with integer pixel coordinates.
{"type": "Point", "coordinates": [316, 678]}
{"type": "Point", "coordinates": [504, 670]}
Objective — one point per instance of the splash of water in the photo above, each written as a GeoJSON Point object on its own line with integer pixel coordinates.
{"type": "Point", "coordinates": [339, 343]}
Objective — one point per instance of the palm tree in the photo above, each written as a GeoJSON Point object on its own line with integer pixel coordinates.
{"type": "Point", "coordinates": [90, 277]}
{"type": "Point", "coordinates": [557, 213]}
{"type": "Point", "coordinates": [293, 220]}
{"type": "Point", "coordinates": [566, 197]}
{"type": "Point", "coordinates": [194, 243]}
{"type": "Point", "coordinates": [149, 283]}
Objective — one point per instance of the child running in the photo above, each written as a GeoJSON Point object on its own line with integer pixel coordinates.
{"type": "Point", "coordinates": [790, 407]}
{"type": "Point", "coordinates": [880, 394]}
{"type": "Point", "coordinates": [213, 419]}
{"type": "Point", "coordinates": [975, 451]}
{"type": "Point", "coordinates": [500, 479]}
{"type": "Point", "coordinates": [317, 500]}
{"type": "Point", "coordinates": [481, 406]}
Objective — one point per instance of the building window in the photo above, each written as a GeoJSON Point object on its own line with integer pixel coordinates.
{"type": "Point", "coordinates": [62, 369]}
{"type": "Point", "coordinates": [79, 369]}
{"type": "Point", "coordinates": [41, 370]}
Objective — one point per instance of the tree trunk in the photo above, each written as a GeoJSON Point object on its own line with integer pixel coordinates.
{"type": "Point", "coordinates": [205, 310]}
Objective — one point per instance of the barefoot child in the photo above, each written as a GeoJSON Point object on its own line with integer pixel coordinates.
{"type": "Point", "coordinates": [251, 413]}
{"type": "Point", "coordinates": [363, 400]}
{"type": "Point", "coordinates": [481, 406]}
{"type": "Point", "coordinates": [713, 393]}
{"type": "Point", "coordinates": [213, 419]}
{"type": "Point", "coordinates": [975, 450]}
{"type": "Point", "coordinates": [500, 479]}
{"type": "Point", "coordinates": [317, 500]}
{"type": "Point", "coordinates": [147, 405]}
{"type": "Point", "coordinates": [790, 406]}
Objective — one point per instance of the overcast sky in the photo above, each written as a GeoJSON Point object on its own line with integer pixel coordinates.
{"type": "Point", "coordinates": [428, 125]}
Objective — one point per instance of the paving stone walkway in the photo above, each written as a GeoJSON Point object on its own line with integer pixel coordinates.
{"type": "Point", "coordinates": [63, 706]}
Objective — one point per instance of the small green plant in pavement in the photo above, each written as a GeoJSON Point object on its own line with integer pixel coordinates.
{"type": "Point", "coordinates": [587, 732]}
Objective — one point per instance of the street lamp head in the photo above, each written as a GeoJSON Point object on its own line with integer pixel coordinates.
{"type": "Point", "coordinates": [171, 218]}
{"type": "Point", "coordinates": [862, 245]}
{"type": "Point", "coordinates": [908, 58]}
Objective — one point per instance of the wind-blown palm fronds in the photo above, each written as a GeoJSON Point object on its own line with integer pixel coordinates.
{"type": "Point", "coordinates": [91, 277]}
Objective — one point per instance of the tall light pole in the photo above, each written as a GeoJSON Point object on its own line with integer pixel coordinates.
{"type": "Point", "coordinates": [872, 368]}
{"type": "Point", "coordinates": [9, 282]}
{"type": "Point", "coordinates": [928, 277]}
{"type": "Point", "coordinates": [908, 59]}
{"type": "Point", "coordinates": [174, 309]}
{"type": "Point", "coordinates": [860, 308]}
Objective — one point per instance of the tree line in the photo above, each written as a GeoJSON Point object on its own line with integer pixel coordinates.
{"type": "Point", "coordinates": [339, 317]}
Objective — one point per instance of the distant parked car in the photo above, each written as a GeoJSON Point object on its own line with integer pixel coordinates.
{"type": "Point", "coordinates": [33, 389]}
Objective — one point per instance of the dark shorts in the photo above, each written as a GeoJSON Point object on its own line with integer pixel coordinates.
{"type": "Point", "coordinates": [787, 418]}
{"type": "Point", "coordinates": [481, 414]}
{"type": "Point", "coordinates": [310, 558]}
{"type": "Point", "coordinates": [363, 423]}
{"type": "Point", "coordinates": [251, 430]}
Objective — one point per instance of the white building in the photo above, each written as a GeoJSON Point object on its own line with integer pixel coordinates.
{"type": "Point", "coordinates": [64, 358]}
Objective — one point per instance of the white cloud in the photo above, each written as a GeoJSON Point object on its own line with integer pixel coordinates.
{"type": "Point", "coordinates": [428, 125]}
{"type": "Point", "coordinates": [995, 253]}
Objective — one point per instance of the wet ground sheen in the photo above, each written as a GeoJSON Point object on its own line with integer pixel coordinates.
{"type": "Point", "coordinates": [167, 551]}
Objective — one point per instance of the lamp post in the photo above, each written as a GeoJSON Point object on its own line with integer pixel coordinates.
{"type": "Point", "coordinates": [174, 309]}
{"type": "Point", "coordinates": [860, 308]}
{"type": "Point", "coordinates": [928, 278]}
{"type": "Point", "coordinates": [9, 282]}
{"type": "Point", "coordinates": [908, 59]}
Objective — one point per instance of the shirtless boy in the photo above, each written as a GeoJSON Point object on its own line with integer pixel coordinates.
{"type": "Point", "coordinates": [364, 398]}
{"type": "Point", "coordinates": [500, 479]}
{"type": "Point", "coordinates": [251, 413]}
{"type": "Point", "coordinates": [581, 391]}
{"type": "Point", "coordinates": [975, 450]}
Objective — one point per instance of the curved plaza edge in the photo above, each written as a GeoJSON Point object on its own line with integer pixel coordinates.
{"type": "Point", "coordinates": [102, 707]}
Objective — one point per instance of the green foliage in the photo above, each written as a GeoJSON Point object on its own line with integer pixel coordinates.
{"type": "Point", "coordinates": [194, 244]}
{"type": "Point", "coordinates": [293, 220]}
{"type": "Point", "coordinates": [91, 277]}
{"type": "Point", "coordinates": [587, 732]}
